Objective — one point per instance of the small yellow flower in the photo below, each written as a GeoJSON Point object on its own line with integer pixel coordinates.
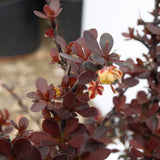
{"type": "Point", "coordinates": [58, 92]}
{"type": "Point", "coordinates": [109, 74]}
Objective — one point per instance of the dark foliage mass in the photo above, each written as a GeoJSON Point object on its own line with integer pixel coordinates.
{"type": "Point", "coordinates": [87, 65]}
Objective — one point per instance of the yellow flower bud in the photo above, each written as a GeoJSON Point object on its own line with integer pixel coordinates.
{"type": "Point", "coordinates": [109, 74]}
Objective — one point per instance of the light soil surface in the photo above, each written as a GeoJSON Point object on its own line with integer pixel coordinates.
{"type": "Point", "coordinates": [21, 73]}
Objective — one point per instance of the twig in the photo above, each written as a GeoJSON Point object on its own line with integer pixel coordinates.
{"type": "Point", "coordinates": [19, 100]}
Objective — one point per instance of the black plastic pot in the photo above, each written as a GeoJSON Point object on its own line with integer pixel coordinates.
{"type": "Point", "coordinates": [19, 27]}
{"type": "Point", "coordinates": [69, 19]}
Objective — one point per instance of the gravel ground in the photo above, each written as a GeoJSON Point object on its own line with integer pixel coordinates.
{"type": "Point", "coordinates": [21, 73]}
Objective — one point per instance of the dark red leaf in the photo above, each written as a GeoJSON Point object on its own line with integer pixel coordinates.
{"type": "Point", "coordinates": [5, 147]}
{"type": "Point", "coordinates": [23, 123]}
{"type": "Point", "coordinates": [91, 42]}
{"type": "Point", "coordinates": [100, 132]}
{"type": "Point", "coordinates": [90, 66]}
{"type": "Point", "coordinates": [71, 126]}
{"type": "Point", "coordinates": [106, 42]}
{"type": "Point", "coordinates": [38, 137]}
{"type": "Point", "coordinates": [42, 85]}
{"type": "Point", "coordinates": [38, 106]}
{"type": "Point", "coordinates": [71, 58]}
{"type": "Point", "coordinates": [153, 29]}
{"type": "Point", "coordinates": [13, 124]}
{"type": "Point", "coordinates": [22, 148]}
{"type": "Point", "coordinates": [83, 97]}
{"type": "Point", "coordinates": [69, 100]}
{"type": "Point", "coordinates": [61, 41]}
{"type": "Point", "coordinates": [85, 155]}
{"type": "Point", "coordinates": [61, 157]}
{"type": "Point", "coordinates": [35, 154]}
{"type": "Point", "coordinates": [134, 144]}
{"type": "Point", "coordinates": [64, 113]}
{"type": "Point", "coordinates": [150, 123]}
{"type": "Point", "coordinates": [152, 144]}
{"type": "Point", "coordinates": [77, 140]}
{"type": "Point", "coordinates": [98, 59]}
{"type": "Point", "coordinates": [94, 32]}
{"type": "Point", "coordinates": [78, 50]}
{"type": "Point", "coordinates": [81, 129]}
{"type": "Point", "coordinates": [87, 112]}
{"type": "Point", "coordinates": [129, 82]}
{"type": "Point", "coordinates": [153, 109]}
{"type": "Point", "coordinates": [33, 95]}
{"type": "Point", "coordinates": [55, 55]}
{"type": "Point", "coordinates": [119, 102]}
{"type": "Point", "coordinates": [51, 127]}
{"type": "Point", "coordinates": [100, 154]}
{"type": "Point", "coordinates": [136, 152]}
{"type": "Point", "coordinates": [105, 140]}
{"type": "Point", "coordinates": [46, 113]}
{"type": "Point", "coordinates": [142, 97]}
{"type": "Point", "coordinates": [86, 77]}
{"type": "Point", "coordinates": [44, 151]}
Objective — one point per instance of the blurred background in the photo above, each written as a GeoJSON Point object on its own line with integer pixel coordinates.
{"type": "Point", "coordinates": [25, 52]}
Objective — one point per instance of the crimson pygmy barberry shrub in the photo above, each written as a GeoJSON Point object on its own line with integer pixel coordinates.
{"type": "Point", "coordinates": [87, 65]}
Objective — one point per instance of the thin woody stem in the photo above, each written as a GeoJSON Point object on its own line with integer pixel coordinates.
{"type": "Point", "coordinates": [63, 61]}
{"type": "Point", "coordinates": [19, 100]}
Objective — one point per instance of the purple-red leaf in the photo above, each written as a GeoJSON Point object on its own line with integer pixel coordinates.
{"type": "Point", "coordinates": [87, 112]}
{"type": "Point", "coordinates": [51, 127]}
{"type": "Point", "coordinates": [33, 95]}
{"type": "Point", "coordinates": [35, 154]}
{"type": "Point", "coordinates": [91, 42]}
{"type": "Point", "coordinates": [38, 137]}
{"type": "Point", "coordinates": [90, 66]}
{"type": "Point", "coordinates": [153, 29]}
{"type": "Point", "coordinates": [98, 59]}
{"type": "Point", "coordinates": [55, 55]}
{"type": "Point", "coordinates": [23, 123]}
{"type": "Point", "coordinates": [152, 144]}
{"type": "Point", "coordinates": [83, 97]}
{"type": "Point", "coordinates": [64, 113]}
{"type": "Point", "coordinates": [5, 147]}
{"type": "Point", "coordinates": [100, 154]}
{"type": "Point", "coordinates": [61, 157]}
{"type": "Point", "coordinates": [42, 85]}
{"type": "Point", "coordinates": [69, 100]}
{"type": "Point", "coordinates": [22, 147]}
{"type": "Point", "coordinates": [86, 77]}
{"type": "Point", "coordinates": [77, 140]}
{"type": "Point", "coordinates": [94, 32]}
{"type": "Point", "coordinates": [136, 152]}
{"type": "Point", "coordinates": [68, 57]}
{"type": "Point", "coordinates": [106, 42]}
{"type": "Point", "coordinates": [38, 106]}
{"type": "Point", "coordinates": [79, 51]}
{"type": "Point", "coordinates": [13, 124]}
{"type": "Point", "coordinates": [71, 126]}
{"type": "Point", "coordinates": [153, 109]}
{"type": "Point", "coordinates": [129, 82]}
{"type": "Point", "coordinates": [134, 144]}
